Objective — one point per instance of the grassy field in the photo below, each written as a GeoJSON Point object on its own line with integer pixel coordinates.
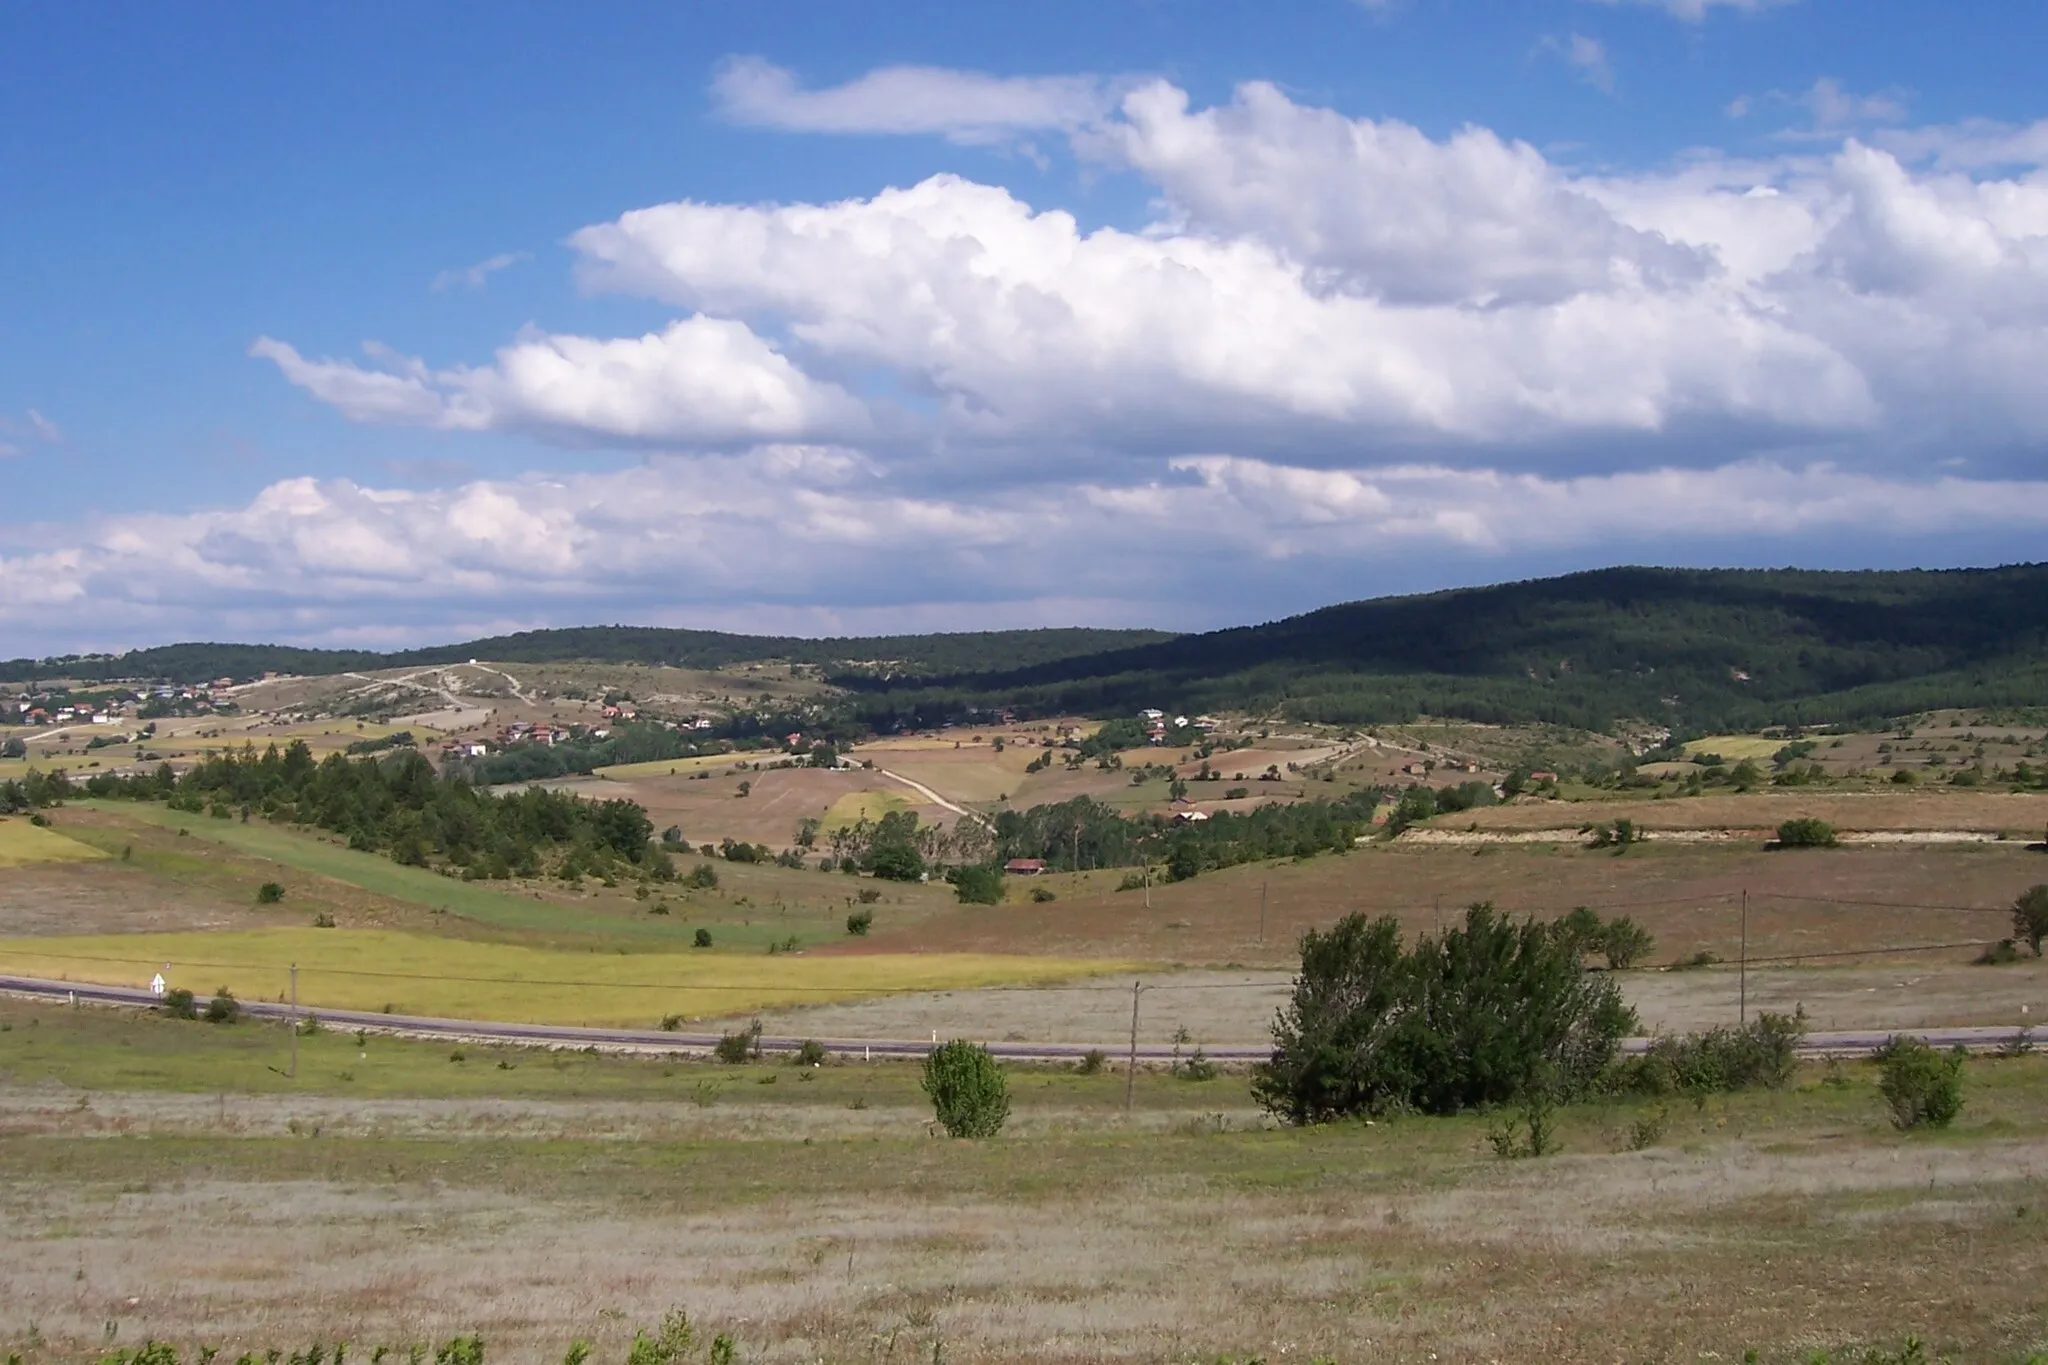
{"type": "Point", "coordinates": [854, 807]}
{"type": "Point", "coordinates": [22, 843]}
{"type": "Point", "coordinates": [372, 969]}
{"type": "Point", "coordinates": [389, 1193]}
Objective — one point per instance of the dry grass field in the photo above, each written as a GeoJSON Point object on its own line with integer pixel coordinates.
{"type": "Point", "coordinates": [2020, 815]}
{"type": "Point", "coordinates": [818, 1221]}
{"type": "Point", "coordinates": [709, 808]}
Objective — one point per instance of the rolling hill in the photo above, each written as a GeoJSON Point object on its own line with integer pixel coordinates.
{"type": "Point", "coordinates": [1694, 648]}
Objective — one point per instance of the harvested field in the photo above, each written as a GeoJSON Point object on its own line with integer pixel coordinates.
{"type": "Point", "coordinates": [1802, 902]}
{"type": "Point", "coordinates": [372, 969]}
{"type": "Point", "coordinates": [1220, 1008]}
{"type": "Point", "coordinates": [2024, 815]}
{"type": "Point", "coordinates": [711, 808]}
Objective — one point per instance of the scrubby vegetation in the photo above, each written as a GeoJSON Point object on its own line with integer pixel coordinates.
{"type": "Point", "coordinates": [1922, 1087]}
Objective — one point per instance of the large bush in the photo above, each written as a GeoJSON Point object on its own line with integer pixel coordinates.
{"type": "Point", "coordinates": [1806, 832]}
{"type": "Point", "coordinates": [1469, 1018]}
{"type": "Point", "coordinates": [977, 885]}
{"type": "Point", "coordinates": [1922, 1087]}
{"type": "Point", "coordinates": [966, 1088]}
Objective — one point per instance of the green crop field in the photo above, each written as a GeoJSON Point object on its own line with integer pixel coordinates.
{"type": "Point", "coordinates": [22, 842]}
{"type": "Point", "coordinates": [372, 969]}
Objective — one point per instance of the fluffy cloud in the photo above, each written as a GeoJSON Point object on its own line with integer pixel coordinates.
{"type": "Point", "coordinates": [816, 538]}
{"type": "Point", "coordinates": [1334, 348]}
{"type": "Point", "coordinates": [701, 381]}
{"type": "Point", "coordinates": [967, 106]}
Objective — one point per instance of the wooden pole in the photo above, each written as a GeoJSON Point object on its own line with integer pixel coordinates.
{"type": "Point", "coordinates": [1742, 970]}
{"type": "Point", "coordinates": [1262, 914]}
{"type": "Point", "coordinates": [1131, 1066]}
{"type": "Point", "coordinates": [295, 1020]}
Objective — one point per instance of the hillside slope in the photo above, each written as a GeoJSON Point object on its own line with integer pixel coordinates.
{"type": "Point", "coordinates": [1697, 648]}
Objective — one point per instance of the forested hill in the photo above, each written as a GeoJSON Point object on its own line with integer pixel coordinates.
{"type": "Point", "coordinates": [1699, 648]}
{"type": "Point", "coordinates": [888, 656]}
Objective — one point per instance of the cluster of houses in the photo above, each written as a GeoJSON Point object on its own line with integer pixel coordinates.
{"type": "Point", "coordinates": [1157, 725]}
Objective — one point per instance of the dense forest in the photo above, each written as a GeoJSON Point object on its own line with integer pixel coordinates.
{"type": "Point", "coordinates": [881, 657]}
{"type": "Point", "coordinates": [1701, 649]}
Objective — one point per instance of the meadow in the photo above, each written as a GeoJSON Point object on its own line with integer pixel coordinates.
{"type": "Point", "coordinates": [393, 1193]}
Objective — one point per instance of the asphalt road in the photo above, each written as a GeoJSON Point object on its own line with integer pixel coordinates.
{"type": "Point", "coordinates": [657, 1041]}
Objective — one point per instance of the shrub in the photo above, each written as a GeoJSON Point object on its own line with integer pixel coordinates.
{"type": "Point", "coordinates": [702, 877]}
{"type": "Point", "coordinates": [977, 885]}
{"type": "Point", "coordinates": [1041, 895]}
{"type": "Point", "coordinates": [1720, 1060]}
{"type": "Point", "coordinates": [810, 1052]}
{"type": "Point", "coordinates": [270, 893]}
{"type": "Point", "coordinates": [223, 1008]}
{"type": "Point", "coordinates": [1624, 943]}
{"type": "Point", "coordinates": [859, 922]}
{"type": "Point", "coordinates": [671, 1022]}
{"type": "Point", "coordinates": [1922, 1087]}
{"type": "Point", "coordinates": [1806, 832]}
{"type": "Point", "coordinates": [1464, 1020]}
{"type": "Point", "coordinates": [2030, 917]}
{"type": "Point", "coordinates": [180, 1003]}
{"type": "Point", "coordinates": [1091, 1062]}
{"type": "Point", "coordinates": [867, 895]}
{"type": "Point", "coordinates": [1998, 954]}
{"type": "Point", "coordinates": [966, 1089]}
{"type": "Point", "coordinates": [701, 939]}
{"type": "Point", "coordinates": [735, 1048]}
{"type": "Point", "coordinates": [1698, 960]}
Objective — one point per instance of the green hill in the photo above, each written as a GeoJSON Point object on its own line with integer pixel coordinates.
{"type": "Point", "coordinates": [1699, 649]}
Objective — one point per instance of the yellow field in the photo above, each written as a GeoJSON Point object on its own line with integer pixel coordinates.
{"type": "Point", "coordinates": [848, 809]}
{"type": "Point", "coordinates": [662, 767]}
{"type": "Point", "coordinates": [372, 969]}
{"type": "Point", "coordinates": [13, 767]}
{"type": "Point", "coordinates": [1735, 748]}
{"type": "Point", "coordinates": [21, 843]}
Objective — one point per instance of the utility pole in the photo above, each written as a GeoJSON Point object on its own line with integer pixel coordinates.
{"type": "Point", "coordinates": [1262, 914]}
{"type": "Point", "coordinates": [1148, 886]}
{"type": "Point", "coordinates": [1742, 970]}
{"type": "Point", "coordinates": [1131, 1067]}
{"type": "Point", "coordinates": [295, 1021]}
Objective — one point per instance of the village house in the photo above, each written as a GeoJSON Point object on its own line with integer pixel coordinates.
{"type": "Point", "coordinates": [1025, 867]}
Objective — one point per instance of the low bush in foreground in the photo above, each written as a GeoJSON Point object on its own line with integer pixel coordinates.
{"type": "Point", "coordinates": [675, 1342]}
{"type": "Point", "coordinates": [968, 1095]}
{"type": "Point", "coordinates": [1719, 1061]}
{"type": "Point", "coordinates": [1922, 1087]}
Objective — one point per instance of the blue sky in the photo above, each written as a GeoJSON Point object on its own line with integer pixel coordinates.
{"type": "Point", "coordinates": [395, 323]}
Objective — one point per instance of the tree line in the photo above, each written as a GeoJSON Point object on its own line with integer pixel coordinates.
{"type": "Point", "coordinates": [397, 805]}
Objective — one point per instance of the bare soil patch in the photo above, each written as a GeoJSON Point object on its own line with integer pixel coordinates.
{"type": "Point", "coordinates": [2021, 814]}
